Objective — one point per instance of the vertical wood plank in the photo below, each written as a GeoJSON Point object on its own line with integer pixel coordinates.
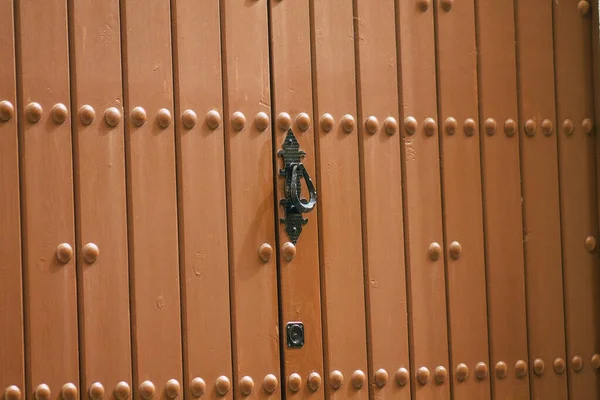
{"type": "Point", "coordinates": [501, 182]}
{"type": "Point", "coordinates": [249, 165]}
{"type": "Point", "coordinates": [202, 200]}
{"type": "Point", "coordinates": [51, 353]}
{"type": "Point", "coordinates": [152, 200]}
{"type": "Point", "coordinates": [578, 194]}
{"type": "Point", "coordinates": [457, 88]}
{"type": "Point", "coordinates": [541, 207]}
{"type": "Point", "coordinates": [12, 379]}
{"type": "Point", "coordinates": [338, 183]}
{"type": "Point", "coordinates": [381, 195]}
{"type": "Point", "coordinates": [100, 200]}
{"type": "Point", "coordinates": [299, 295]}
{"type": "Point", "coordinates": [422, 196]}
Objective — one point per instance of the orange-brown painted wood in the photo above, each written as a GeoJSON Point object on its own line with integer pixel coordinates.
{"type": "Point", "coordinates": [12, 373]}
{"type": "Point", "coordinates": [202, 201]}
{"type": "Point", "coordinates": [100, 198]}
{"type": "Point", "coordinates": [250, 199]}
{"type": "Point", "coordinates": [501, 173]}
{"type": "Point", "coordinates": [458, 114]}
{"type": "Point", "coordinates": [152, 199]}
{"type": "Point", "coordinates": [541, 208]}
{"type": "Point", "coordinates": [51, 353]}
{"type": "Point", "coordinates": [338, 184]}
{"type": "Point", "coordinates": [381, 197]}
{"type": "Point", "coordinates": [422, 197]}
{"type": "Point", "coordinates": [578, 193]}
{"type": "Point", "coordinates": [299, 287]}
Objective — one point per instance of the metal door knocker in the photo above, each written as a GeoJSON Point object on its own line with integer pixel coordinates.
{"type": "Point", "coordinates": [293, 171]}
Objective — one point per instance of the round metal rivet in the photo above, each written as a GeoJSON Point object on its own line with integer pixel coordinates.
{"type": "Point", "coordinates": [577, 363]}
{"type": "Point", "coordinates": [6, 112]}
{"type": "Point", "coordinates": [213, 119]}
{"type": "Point", "coordinates": [381, 377]}
{"type": "Point", "coordinates": [122, 390]}
{"type": "Point", "coordinates": [172, 388]}
{"type": "Point", "coordinates": [246, 385]}
{"type": "Point", "coordinates": [429, 126]}
{"type": "Point", "coordinates": [559, 365]}
{"type": "Point", "coordinates": [358, 379]}
{"type": "Point", "coordinates": [288, 250]}
{"type": "Point", "coordinates": [590, 243]}
{"type": "Point", "coordinates": [435, 251]}
{"type": "Point", "coordinates": [469, 127]}
{"type": "Point", "coordinates": [69, 391]}
{"type": "Point", "coordinates": [583, 7]}
{"type": "Point", "coordinates": [163, 118]}
{"type": "Point", "coordinates": [372, 125]}
{"type": "Point", "coordinates": [455, 249]}
{"type": "Point", "coordinates": [530, 127]}
{"type": "Point", "coordinates": [521, 369]}
{"type": "Point", "coordinates": [189, 119]}
{"type": "Point", "coordinates": [59, 113]}
{"type": "Point", "coordinates": [423, 375]}
{"type": "Point", "coordinates": [294, 382]}
{"type": "Point", "coordinates": [450, 126]}
{"type": "Point", "coordinates": [112, 116]}
{"type": "Point", "coordinates": [336, 379]}
{"type": "Point", "coordinates": [441, 373]}
{"type": "Point", "coordinates": [447, 4]}
{"type": "Point", "coordinates": [538, 366]}
{"type": "Point", "coordinates": [587, 125]}
{"type": "Point", "coordinates": [481, 370]}
{"type": "Point", "coordinates": [303, 121]}
{"type": "Point", "coordinates": [87, 115]}
{"type": "Point", "coordinates": [12, 393]}
{"type": "Point", "coordinates": [270, 383]}
{"type": "Point", "coordinates": [595, 361]}
{"type": "Point", "coordinates": [33, 112]}
{"type": "Point", "coordinates": [568, 127]}
{"type": "Point", "coordinates": [90, 253]}
{"type": "Point", "coordinates": [96, 391]}
{"type": "Point", "coordinates": [348, 123]}
{"type": "Point", "coordinates": [510, 127]}
{"type": "Point", "coordinates": [284, 121]}
{"type": "Point", "coordinates": [64, 253]}
{"type": "Point", "coordinates": [462, 372]}
{"type": "Point", "coordinates": [42, 392]}
{"type": "Point", "coordinates": [547, 127]}
{"type": "Point", "coordinates": [423, 5]}
{"type": "Point", "coordinates": [197, 387]}
{"type": "Point", "coordinates": [402, 376]}
{"type": "Point", "coordinates": [501, 370]}
{"type": "Point", "coordinates": [261, 121]}
{"type": "Point", "coordinates": [222, 385]}
{"type": "Point", "coordinates": [138, 116]}
{"type": "Point", "coordinates": [490, 126]}
{"type": "Point", "coordinates": [326, 122]}
{"type": "Point", "coordinates": [238, 121]}
{"type": "Point", "coordinates": [390, 125]}
{"type": "Point", "coordinates": [410, 125]}
{"type": "Point", "coordinates": [314, 381]}
{"type": "Point", "coordinates": [265, 252]}
{"type": "Point", "coordinates": [147, 390]}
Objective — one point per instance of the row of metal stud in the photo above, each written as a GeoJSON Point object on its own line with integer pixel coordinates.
{"type": "Point", "coordinates": [583, 6]}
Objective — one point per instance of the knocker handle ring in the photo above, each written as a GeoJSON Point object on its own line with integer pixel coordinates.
{"type": "Point", "coordinates": [302, 205]}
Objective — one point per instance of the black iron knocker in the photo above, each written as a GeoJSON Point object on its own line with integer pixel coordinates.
{"type": "Point", "coordinates": [294, 171]}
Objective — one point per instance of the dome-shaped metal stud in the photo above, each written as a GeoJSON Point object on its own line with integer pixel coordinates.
{"type": "Point", "coordinates": [33, 112]}
{"type": "Point", "coordinates": [490, 126]}
{"type": "Point", "coordinates": [577, 363]}
{"type": "Point", "coordinates": [138, 116]}
{"type": "Point", "coordinates": [501, 370]}
{"type": "Point", "coordinates": [590, 243]}
{"type": "Point", "coordinates": [447, 4]}
{"type": "Point", "coordinates": [423, 375]}
{"type": "Point", "coordinates": [568, 127]}
{"type": "Point", "coordinates": [521, 369]}
{"type": "Point", "coordinates": [96, 391]}
{"type": "Point", "coordinates": [59, 113]}
{"type": "Point", "coordinates": [222, 385]}
{"type": "Point", "coordinates": [434, 251]}
{"type": "Point", "coordinates": [429, 126]}
{"type": "Point", "coordinates": [303, 121]}
{"type": "Point", "coordinates": [238, 121]}
{"type": "Point", "coordinates": [69, 391]}
{"type": "Point", "coordinates": [450, 126]}
{"type": "Point", "coordinates": [294, 382]}
{"type": "Point", "coordinates": [510, 127]}
{"type": "Point", "coordinates": [441, 373]}
{"type": "Point", "coordinates": [583, 7]}
{"type": "Point", "coordinates": [270, 383]}
{"type": "Point", "coordinates": [455, 250]}
{"type": "Point", "coordinates": [112, 116]}
{"type": "Point", "coordinates": [213, 119]}
{"type": "Point", "coordinates": [547, 127]}
{"type": "Point", "coordinates": [265, 252]}
{"type": "Point", "coordinates": [122, 390]}
{"type": "Point", "coordinates": [288, 250]}
{"type": "Point", "coordinates": [530, 127]}
{"type": "Point", "coordinates": [372, 125]}
{"type": "Point", "coordinates": [481, 370]}
{"type": "Point", "coordinates": [595, 360]}
{"type": "Point", "coordinates": [197, 387]}
{"type": "Point", "coordinates": [469, 126]}
{"type": "Point", "coordinates": [423, 5]}
{"type": "Point", "coordinates": [283, 121]}
{"type": "Point", "coordinates": [64, 253]}
{"type": "Point", "coordinates": [12, 393]}
{"type": "Point", "coordinates": [348, 123]}
{"type": "Point", "coordinates": [402, 376]}
{"type": "Point", "coordinates": [390, 125]}
{"type": "Point", "coordinates": [587, 125]}
{"type": "Point", "coordinates": [358, 379]}
{"type": "Point", "coordinates": [462, 372]}
{"type": "Point", "coordinates": [189, 119]}
{"type": "Point", "coordinates": [172, 388]}
{"type": "Point", "coordinates": [314, 381]}
{"type": "Point", "coordinates": [410, 125]}
{"type": "Point", "coordinates": [147, 390]}
{"type": "Point", "coordinates": [261, 121]}
{"type": "Point", "coordinates": [336, 379]}
{"type": "Point", "coordinates": [42, 392]}
{"type": "Point", "coordinates": [538, 366]}
{"type": "Point", "coordinates": [90, 253]}
{"type": "Point", "coordinates": [559, 365]}
{"type": "Point", "coordinates": [7, 110]}
{"type": "Point", "coordinates": [326, 122]}
{"type": "Point", "coordinates": [381, 377]}
{"type": "Point", "coordinates": [87, 114]}
{"type": "Point", "coordinates": [163, 118]}
{"type": "Point", "coordinates": [246, 385]}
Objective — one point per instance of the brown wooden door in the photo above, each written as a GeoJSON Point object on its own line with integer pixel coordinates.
{"type": "Point", "coordinates": [278, 199]}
